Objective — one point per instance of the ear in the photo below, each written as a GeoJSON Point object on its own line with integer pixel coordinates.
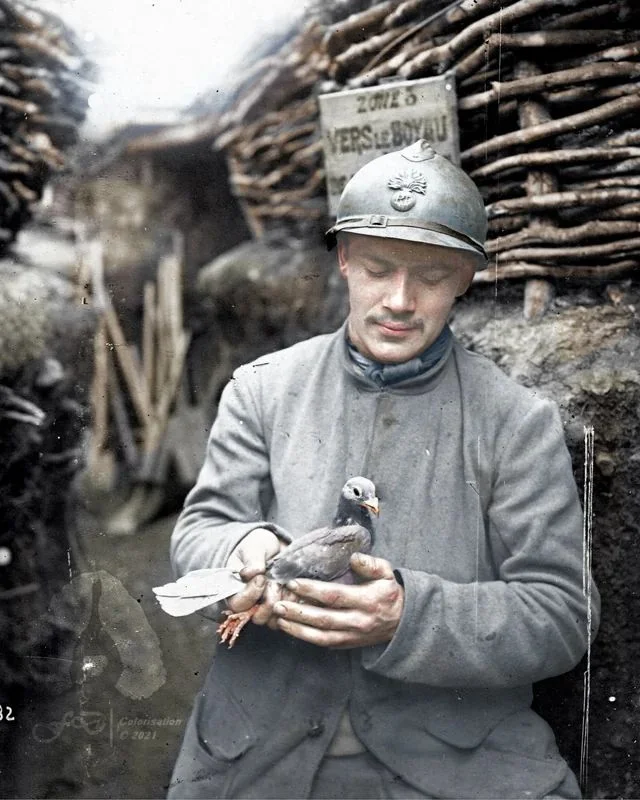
{"type": "Point", "coordinates": [342, 257]}
{"type": "Point", "coordinates": [466, 273]}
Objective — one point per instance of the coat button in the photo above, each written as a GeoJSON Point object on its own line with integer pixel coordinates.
{"type": "Point", "coordinates": [316, 728]}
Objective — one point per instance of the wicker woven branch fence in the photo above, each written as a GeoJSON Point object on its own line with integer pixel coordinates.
{"type": "Point", "coordinates": [548, 101]}
{"type": "Point", "coordinates": [43, 101]}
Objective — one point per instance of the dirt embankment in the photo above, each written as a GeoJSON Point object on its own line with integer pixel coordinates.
{"type": "Point", "coordinates": [584, 355]}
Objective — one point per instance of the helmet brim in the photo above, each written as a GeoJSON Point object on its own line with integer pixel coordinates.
{"type": "Point", "coordinates": [409, 234]}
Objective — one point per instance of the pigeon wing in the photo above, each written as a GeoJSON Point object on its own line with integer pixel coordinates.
{"type": "Point", "coordinates": [196, 590]}
{"type": "Point", "coordinates": [181, 606]}
{"type": "Point", "coordinates": [217, 583]}
{"type": "Point", "coordinates": [322, 554]}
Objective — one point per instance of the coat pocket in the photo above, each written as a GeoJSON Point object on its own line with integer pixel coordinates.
{"type": "Point", "coordinates": [464, 717]}
{"type": "Point", "coordinates": [223, 727]}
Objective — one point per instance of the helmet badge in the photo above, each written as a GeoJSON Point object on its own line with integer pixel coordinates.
{"type": "Point", "coordinates": [407, 185]}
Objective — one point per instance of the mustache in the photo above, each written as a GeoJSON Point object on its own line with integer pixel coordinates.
{"type": "Point", "coordinates": [400, 319]}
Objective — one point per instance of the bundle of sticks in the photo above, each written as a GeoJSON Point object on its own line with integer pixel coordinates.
{"type": "Point", "coordinates": [44, 90]}
{"type": "Point", "coordinates": [548, 106]}
{"type": "Point", "coordinates": [271, 138]}
{"type": "Point", "coordinates": [133, 390]}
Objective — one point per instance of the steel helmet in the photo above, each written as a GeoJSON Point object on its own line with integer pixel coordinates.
{"type": "Point", "coordinates": [414, 194]}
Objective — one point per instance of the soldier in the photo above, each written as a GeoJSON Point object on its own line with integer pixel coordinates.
{"type": "Point", "coordinates": [416, 681]}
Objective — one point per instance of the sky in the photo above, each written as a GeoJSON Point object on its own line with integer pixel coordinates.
{"type": "Point", "coordinates": [156, 56]}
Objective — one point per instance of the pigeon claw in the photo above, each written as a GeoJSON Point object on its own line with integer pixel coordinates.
{"type": "Point", "coordinates": [230, 628]}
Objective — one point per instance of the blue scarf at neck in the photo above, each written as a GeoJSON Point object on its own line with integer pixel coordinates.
{"type": "Point", "coordinates": [388, 374]}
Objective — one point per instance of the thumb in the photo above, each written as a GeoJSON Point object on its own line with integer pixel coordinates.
{"type": "Point", "coordinates": [250, 571]}
{"type": "Point", "coordinates": [371, 568]}
{"type": "Point", "coordinates": [255, 564]}
{"type": "Point", "coordinates": [255, 550]}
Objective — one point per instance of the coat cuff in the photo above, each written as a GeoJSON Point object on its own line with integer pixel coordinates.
{"type": "Point", "coordinates": [388, 659]}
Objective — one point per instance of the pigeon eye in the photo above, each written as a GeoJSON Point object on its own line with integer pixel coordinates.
{"type": "Point", "coordinates": [357, 492]}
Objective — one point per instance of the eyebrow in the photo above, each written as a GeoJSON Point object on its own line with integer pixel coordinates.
{"type": "Point", "coordinates": [379, 261]}
{"type": "Point", "coordinates": [421, 266]}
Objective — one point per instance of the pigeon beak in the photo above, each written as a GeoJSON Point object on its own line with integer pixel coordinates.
{"type": "Point", "coordinates": [372, 504]}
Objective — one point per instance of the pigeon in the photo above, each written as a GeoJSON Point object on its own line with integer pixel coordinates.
{"type": "Point", "coordinates": [322, 554]}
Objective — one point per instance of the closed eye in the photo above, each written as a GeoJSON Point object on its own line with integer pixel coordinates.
{"type": "Point", "coordinates": [377, 273]}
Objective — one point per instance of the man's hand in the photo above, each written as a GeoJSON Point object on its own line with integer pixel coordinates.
{"type": "Point", "coordinates": [346, 616]}
{"type": "Point", "coordinates": [249, 559]}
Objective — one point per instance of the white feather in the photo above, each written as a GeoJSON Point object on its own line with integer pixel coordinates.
{"type": "Point", "coordinates": [181, 606]}
{"type": "Point", "coordinates": [202, 587]}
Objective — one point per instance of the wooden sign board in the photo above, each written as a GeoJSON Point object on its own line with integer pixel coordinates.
{"type": "Point", "coordinates": [361, 124]}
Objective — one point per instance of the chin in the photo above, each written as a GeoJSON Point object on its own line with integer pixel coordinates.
{"type": "Point", "coordinates": [375, 346]}
{"type": "Point", "coordinates": [394, 355]}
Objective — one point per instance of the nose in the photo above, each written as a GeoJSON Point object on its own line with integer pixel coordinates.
{"type": "Point", "coordinates": [399, 297]}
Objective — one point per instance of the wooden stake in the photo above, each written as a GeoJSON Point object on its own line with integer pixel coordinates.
{"type": "Point", "coordinates": [538, 295]}
{"type": "Point", "coordinates": [531, 112]}
{"type": "Point", "coordinates": [100, 460]}
{"type": "Point", "coordinates": [134, 357]}
{"type": "Point", "coordinates": [149, 338]}
{"type": "Point", "coordinates": [95, 260]}
{"type": "Point", "coordinates": [121, 419]}
{"type": "Point", "coordinates": [130, 371]}
{"type": "Point", "coordinates": [155, 432]}
{"type": "Point", "coordinates": [99, 391]}
{"type": "Point", "coordinates": [162, 332]}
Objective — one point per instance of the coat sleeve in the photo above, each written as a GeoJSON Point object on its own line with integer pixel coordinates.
{"type": "Point", "coordinates": [230, 498]}
{"type": "Point", "coordinates": [534, 621]}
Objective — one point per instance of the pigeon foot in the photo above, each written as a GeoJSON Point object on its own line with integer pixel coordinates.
{"type": "Point", "coordinates": [230, 628]}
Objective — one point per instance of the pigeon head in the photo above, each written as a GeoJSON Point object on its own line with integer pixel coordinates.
{"type": "Point", "coordinates": [357, 503]}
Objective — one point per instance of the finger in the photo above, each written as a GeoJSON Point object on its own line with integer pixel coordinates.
{"type": "Point", "coordinates": [322, 618]}
{"type": "Point", "coordinates": [334, 595]}
{"type": "Point", "coordinates": [270, 596]}
{"type": "Point", "coordinates": [249, 596]}
{"type": "Point", "coordinates": [371, 568]}
{"type": "Point", "coordinates": [288, 596]}
{"type": "Point", "coordinates": [333, 639]}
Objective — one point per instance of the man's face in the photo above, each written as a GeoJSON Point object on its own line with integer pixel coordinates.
{"type": "Point", "coordinates": [400, 293]}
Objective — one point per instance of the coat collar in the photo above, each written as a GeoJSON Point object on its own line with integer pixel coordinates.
{"type": "Point", "coordinates": [421, 382]}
